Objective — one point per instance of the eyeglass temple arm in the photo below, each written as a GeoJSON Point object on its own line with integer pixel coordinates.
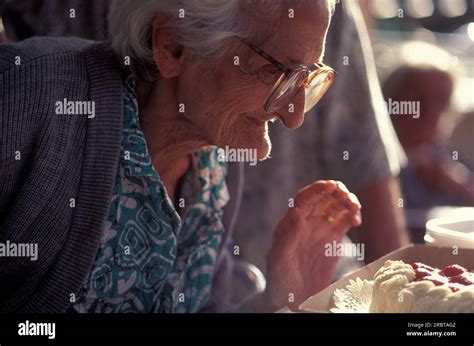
{"type": "Point", "coordinates": [275, 62]}
{"type": "Point", "coordinates": [266, 56]}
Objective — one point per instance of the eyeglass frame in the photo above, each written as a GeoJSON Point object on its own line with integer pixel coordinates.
{"type": "Point", "coordinates": [286, 70]}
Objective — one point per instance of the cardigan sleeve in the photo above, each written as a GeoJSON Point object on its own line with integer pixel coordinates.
{"type": "Point", "coordinates": [56, 170]}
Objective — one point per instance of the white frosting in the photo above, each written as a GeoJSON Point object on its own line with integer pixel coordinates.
{"type": "Point", "coordinates": [396, 291]}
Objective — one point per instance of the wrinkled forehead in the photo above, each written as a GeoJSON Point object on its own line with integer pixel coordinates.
{"type": "Point", "coordinates": [298, 35]}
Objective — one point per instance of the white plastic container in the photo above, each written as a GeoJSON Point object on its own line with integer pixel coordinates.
{"type": "Point", "coordinates": [456, 230]}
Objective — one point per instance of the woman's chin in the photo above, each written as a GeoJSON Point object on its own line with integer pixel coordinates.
{"type": "Point", "coordinates": [253, 141]}
{"type": "Point", "coordinates": [262, 147]}
{"type": "Point", "coordinates": [248, 151]}
{"type": "Point", "coordinates": [257, 137]}
{"type": "Point", "coordinates": [264, 152]}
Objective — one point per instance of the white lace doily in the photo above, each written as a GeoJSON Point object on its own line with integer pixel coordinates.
{"type": "Point", "coordinates": [356, 297]}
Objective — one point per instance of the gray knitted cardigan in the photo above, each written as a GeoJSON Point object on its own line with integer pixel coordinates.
{"type": "Point", "coordinates": [56, 171]}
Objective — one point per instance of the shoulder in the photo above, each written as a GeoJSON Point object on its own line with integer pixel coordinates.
{"type": "Point", "coordinates": [67, 57]}
{"type": "Point", "coordinates": [39, 74]}
{"type": "Point", "coordinates": [38, 49]}
{"type": "Point", "coordinates": [44, 69]}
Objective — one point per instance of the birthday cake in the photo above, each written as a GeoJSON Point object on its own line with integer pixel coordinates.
{"type": "Point", "coordinates": [417, 287]}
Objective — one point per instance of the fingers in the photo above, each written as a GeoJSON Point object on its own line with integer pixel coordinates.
{"type": "Point", "coordinates": [321, 189]}
{"type": "Point", "coordinates": [322, 203]}
{"type": "Point", "coordinates": [341, 212]}
{"type": "Point", "coordinates": [340, 216]}
{"type": "Point", "coordinates": [315, 192]}
{"type": "Point", "coordinates": [333, 197]}
{"type": "Point", "coordinates": [346, 219]}
{"type": "Point", "coordinates": [331, 209]}
{"type": "Point", "coordinates": [349, 199]}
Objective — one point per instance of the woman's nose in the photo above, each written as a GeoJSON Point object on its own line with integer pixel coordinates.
{"type": "Point", "coordinates": [293, 115]}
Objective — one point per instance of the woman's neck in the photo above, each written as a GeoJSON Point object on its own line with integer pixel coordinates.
{"type": "Point", "coordinates": [170, 136]}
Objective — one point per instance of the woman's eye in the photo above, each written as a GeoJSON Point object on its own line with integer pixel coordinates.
{"type": "Point", "coordinates": [269, 73]}
{"type": "Point", "coordinates": [270, 70]}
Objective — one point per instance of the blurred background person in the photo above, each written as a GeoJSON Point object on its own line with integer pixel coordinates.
{"type": "Point", "coordinates": [449, 25]}
{"type": "Point", "coordinates": [434, 175]}
{"type": "Point", "coordinates": [461, 139]}
{"type": "Point", "coordinates": [419, 91]}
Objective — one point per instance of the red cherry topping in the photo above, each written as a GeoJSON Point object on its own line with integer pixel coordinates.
{"type": "Point", "coordinates": [463, 279]}
{"type": "Point", "coordinates": [452, 270]}
{"type": "Point", "coordinates": [422, 272]}
{"type": "Point", "coordinates": [417, 265]}
{"type": "Point", "coordinates": [454, 276]}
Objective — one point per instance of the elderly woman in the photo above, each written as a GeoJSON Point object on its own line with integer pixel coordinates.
{"type": "Point", "coordinates": [109, 156]}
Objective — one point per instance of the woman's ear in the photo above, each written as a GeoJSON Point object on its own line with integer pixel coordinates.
{"type": "Point", "coordinates": [167, 54]}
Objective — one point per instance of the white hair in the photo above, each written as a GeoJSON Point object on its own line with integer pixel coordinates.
{"type": "Point", "coordinates": [201, 26]}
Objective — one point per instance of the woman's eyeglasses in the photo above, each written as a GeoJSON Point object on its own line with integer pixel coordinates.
{"type": "Point", "coordinates": [316, 80]}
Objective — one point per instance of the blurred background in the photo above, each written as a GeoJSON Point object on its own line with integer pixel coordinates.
{"type": "Point", "coordinates": [448, 24]}
{"type": "Point", "coordinates": [419, 32]}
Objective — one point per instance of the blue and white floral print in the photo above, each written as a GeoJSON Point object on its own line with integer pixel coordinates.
{"type": "Point", "coordinates": [151, 260]}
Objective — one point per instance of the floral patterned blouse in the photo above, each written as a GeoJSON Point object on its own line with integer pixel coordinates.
{"type": "Point", "coordinates": [150, 259]}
